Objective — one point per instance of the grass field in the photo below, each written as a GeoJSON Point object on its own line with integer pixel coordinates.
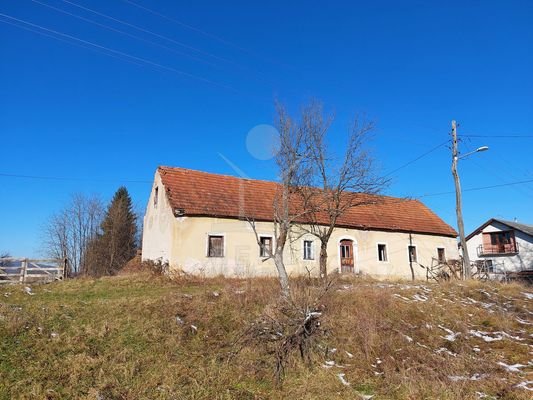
{"type": "Point", "coordinates": [145, 337]}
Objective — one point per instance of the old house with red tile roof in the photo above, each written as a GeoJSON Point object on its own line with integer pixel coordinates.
{"type": "Point", "coordinates": [198, 222]}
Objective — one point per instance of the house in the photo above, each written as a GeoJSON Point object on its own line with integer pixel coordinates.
{"type": "Point", "coordinates": [199, 222]}
{"type": "Point", "coordinates": [502, 246]}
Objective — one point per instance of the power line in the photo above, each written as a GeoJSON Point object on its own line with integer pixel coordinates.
{"type": "Point", "coordinates": [152, 33]}
{"type": "Point", "coordinates": [258, 76]}
{"type": "Point", "coordinates": [202, 32]}
{"type": "Point", "coordinates": [479, 188]}
{"type": "Point", "coordinates": [123, 33]}
{"type": "Point", "coordinates": [498, 136]}
{"type": "Point", "coordinates": [120, 53]}
{"type": "Point", "coordinates": [60, 178]}
{"type": "Point", "coordinates": [71, 43]}
{"type": "Point", "coordinates": [185, 25]}
{"type": "Point", "coordinates": [418, 158]}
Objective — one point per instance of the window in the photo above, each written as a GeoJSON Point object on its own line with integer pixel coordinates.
{"type": "Point", "coordinates": [215, 246]}
{"type": "Point", "coordinates": [489, 266]}
{"type": "Point", "coordinates": [308, 250]}
{"type": "Point", "coordinates": [412, 253]}
{"type": "Point", "coordinates": [441, 255]}
{"type": "Point", "coordinates": [345, 251]}
{"type": "Point", "coordinates": [156, 195]}
{"type": "Point", "coordinates": [266, 246]}
{"type": "Point", "coordinates": [382, 252]}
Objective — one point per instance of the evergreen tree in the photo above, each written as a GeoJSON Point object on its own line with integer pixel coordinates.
{"type": "Point", "coordinates": [116, 244]}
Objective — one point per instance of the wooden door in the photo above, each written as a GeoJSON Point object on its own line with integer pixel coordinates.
{"type": "Point", "coordinates": [347, 259]}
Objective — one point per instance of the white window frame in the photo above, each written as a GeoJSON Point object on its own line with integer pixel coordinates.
{"type": "Point", "coordinates": [386, 252]}
{"type": "Point", "coordinates": [223, 234]}
{"type": "Point", "coordinates": [312, 249]}
{"type": "Point", "coordinates": [409, 254]}
{"type": "Point", "coordinates": [271, 241]}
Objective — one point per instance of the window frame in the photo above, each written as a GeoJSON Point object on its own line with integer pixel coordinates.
{"type": "Point", "coordinates": [311, 249]}
{"type": "Point", "coordinates": [156, 196]}
{"type": "Point", "coordinates": [386, 260]}
{"type": "Point", "coordinates": [208, 243]}
{"type": "Point", "coordinates": [271, 237]}
{"type": "Point", "coordinates": [409, 253]}
{"type": "Point", "coordinates": [443, 253]}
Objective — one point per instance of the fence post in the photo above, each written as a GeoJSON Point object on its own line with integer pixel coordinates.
{"type": "Point", "coordinates": [65, 268]}
{"type": "Point", "coordinates": [24, 270]}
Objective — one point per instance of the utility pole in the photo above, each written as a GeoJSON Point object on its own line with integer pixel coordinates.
{"type": "Point", "coordinates": [458, 203]}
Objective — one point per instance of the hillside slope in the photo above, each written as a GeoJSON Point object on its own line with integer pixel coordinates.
{"type": "Point", "coordinates": [140, 337]}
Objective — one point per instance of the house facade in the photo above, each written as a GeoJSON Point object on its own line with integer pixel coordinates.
{"type": "Point", "coordinates": [502, 246]}
{"type": "Point", "coordinates": [200, 223]}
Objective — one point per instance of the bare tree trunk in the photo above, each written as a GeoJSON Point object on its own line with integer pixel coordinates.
{"type": "Point", "coordinates": [282, 274]}
{"type": "Point", "coordinates": [323, 260]}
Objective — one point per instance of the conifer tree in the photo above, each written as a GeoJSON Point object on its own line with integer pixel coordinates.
{"type": "Point", "coordinates": [116, 243]}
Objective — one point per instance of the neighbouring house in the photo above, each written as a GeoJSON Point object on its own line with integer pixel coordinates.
{"type": "Point", "coordinates": [198, 222]}
{"type": "Point", "coordinates": [502, 246]}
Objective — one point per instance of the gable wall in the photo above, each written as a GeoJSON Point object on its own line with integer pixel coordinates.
{"type": "Point", "coordinates": [157, 226]}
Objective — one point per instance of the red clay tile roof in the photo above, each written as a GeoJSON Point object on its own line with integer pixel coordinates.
{"type": "Point", "coordinates": [204, 194]}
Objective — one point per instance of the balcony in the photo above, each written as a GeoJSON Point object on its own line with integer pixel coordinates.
{"type": "Point", "coordinates": [497, 249]}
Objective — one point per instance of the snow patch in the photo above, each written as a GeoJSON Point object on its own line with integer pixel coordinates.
{"type": "Point", "coordinates": [511, 368]}
{"type": "Point", "coordinates": [408, 338]}
{"type": "Point", "coordinates": [485, 336]}
{"type": "Point", "coordinates": [402, 297]}
{"type": "Point", "coordinates": [451, 335]}
{"type": "Point", "coordinates": [527, 385]}
{"type": "Point", "coordinates": [446, 351]}
{"type": "Point", "coordinates": [343, 380]}
{"type": "Point", "coordinates": [420, 297]}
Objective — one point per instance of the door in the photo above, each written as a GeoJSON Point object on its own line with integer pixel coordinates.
{"type": "Point", "coordinates": [347, 260]}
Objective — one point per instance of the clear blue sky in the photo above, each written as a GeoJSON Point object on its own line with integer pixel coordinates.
{"type": "Point", "coordinates": [71, 110]}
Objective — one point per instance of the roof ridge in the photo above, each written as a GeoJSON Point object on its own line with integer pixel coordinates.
{"type": "Point", "coordinates": [507, 221]}
{"type": "Point", "coordinates": [215, 173]}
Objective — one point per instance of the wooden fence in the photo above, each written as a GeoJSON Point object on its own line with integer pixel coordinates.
{"type": "Point", "coordinates": [25, 270]}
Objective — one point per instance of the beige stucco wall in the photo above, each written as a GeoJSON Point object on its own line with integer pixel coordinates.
{"type": "Point", "coordinates": [182, 242]}
{"type": "Point", "coordinates": [241, 253]}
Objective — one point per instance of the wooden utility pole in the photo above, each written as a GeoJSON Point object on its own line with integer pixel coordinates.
{"type": "Point", "coordinates": [458, 203]}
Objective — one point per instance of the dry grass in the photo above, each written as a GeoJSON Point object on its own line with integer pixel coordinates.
{"type": "Point", "coordinates": [119, 338]}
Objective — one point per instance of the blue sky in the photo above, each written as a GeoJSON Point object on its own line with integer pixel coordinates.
{"type": "Point", "coordinates": [190, 86]}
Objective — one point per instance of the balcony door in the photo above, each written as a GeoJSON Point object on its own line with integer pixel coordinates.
{"type": "Point", "coordinates": [499, 242]}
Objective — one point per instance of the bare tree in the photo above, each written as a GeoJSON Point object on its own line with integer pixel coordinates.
{"type": "Point", "coordinates": [291, 162]}
{"type": "Point", "coordinates": [68, 232]}
{"type": "Point", "coordinates": [336, 184]}
{"type": "Point", "coordinates": [3, 259]}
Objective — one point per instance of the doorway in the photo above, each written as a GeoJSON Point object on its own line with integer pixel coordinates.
{"type": "Point", "coordinates": [347, 256]}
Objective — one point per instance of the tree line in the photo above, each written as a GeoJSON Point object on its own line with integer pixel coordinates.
{"type": "Point", "coordinates": [94, 239]}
